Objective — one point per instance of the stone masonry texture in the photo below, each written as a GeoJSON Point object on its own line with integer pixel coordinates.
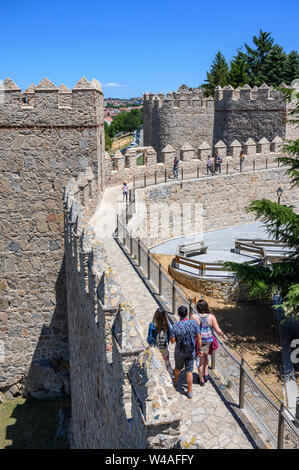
{"type": "Point", "coordinates": [44, 141]}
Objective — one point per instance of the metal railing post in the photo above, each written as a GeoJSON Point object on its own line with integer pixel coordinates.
{"type": "Point", "coordinates": [182, 173]}
{"type": "Point", "coordinates": [145, 180]}
{"type": "Point", "coordinates": [197, 172]}
{"type": "Point", "coordinates": [127, 215]}
{"type": "Point", "coordinates": [165, 175]}
{"type": "Point", "coordinates": [254, 165]}
{"type": "Point", "coordinates": [280, 430]}
{"type": "Point", "coordinates": [134, 183]}
{"type": "Point", "coordinates": [138, 252]}
{"type": "Point", "coordinates": [148, 265]}
{"type": "Point", "coordinates": [131, 244]}
{"type": "Point", "coordinates": [160, 279]}
{"type": "Point", "coordinates": [266, 163]}
{"type": "Point", "coordinates": [227, 168]}
{"type": "Point", "coordinates": [173, 297]}
{"type": "Point", "coordinates": [241, 384]}
{"type": "Point", "coordinates": [155, 177]}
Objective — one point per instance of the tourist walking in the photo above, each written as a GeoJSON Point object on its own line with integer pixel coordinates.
{"type": "Point", "coordinates": [159, 336]}
{"type": "Point", "coordinates": [210, 165]}
{"type": "Point", "coordinates": [217, 162]}
{"type": "Point", "coordinates": [242, 158]}
{"type": "Point", "coordinates": [183, 334]}
{"type": "Point", "coordinates": [125, 190]}
{"type": "Point", "coordinates": [175, 169]}
{"type": "Point", "coordinates": [207, 323]}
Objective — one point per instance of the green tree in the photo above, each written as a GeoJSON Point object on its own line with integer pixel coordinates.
{"type": "Point", "coordinates": [282, 223]}
{"type": "Point", "coordinates": [274, 68]}
{"type": "Point", "coordinates": [292, 67]}
{"type": "Point", "coordinates": [108, 141]}
{"type": "Point", "coordinates": [256, 57]}
{"type": "Point", "coordinates": [238, 72]}
{"type": "Point", "coordinates": [218, 75]}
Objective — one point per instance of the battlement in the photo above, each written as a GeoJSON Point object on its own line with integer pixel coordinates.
{"type": "Point", "coordinates": [247, 97]}
{"type": "Point", "coordinates": [183, 98]}
{"type": "Point", "coordinates": [45, 104]}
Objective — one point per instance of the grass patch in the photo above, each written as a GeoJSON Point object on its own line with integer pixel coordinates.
{"type": "Point", "coordinates": [30, 424]}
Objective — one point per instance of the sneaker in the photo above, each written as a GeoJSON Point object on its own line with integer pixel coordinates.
{"type": "Point", "coordinates": [202, 384]}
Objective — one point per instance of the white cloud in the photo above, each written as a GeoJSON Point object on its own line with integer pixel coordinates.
{"type": "Point", "coordinates": [113, 85]}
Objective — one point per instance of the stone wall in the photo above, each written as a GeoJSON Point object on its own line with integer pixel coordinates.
{"type": "Point", "coordinates": [247, 112]}
{"type": "Point", "coordinates": [47, 134]}
{"type": "Point", "coordinates": [240, 114]}
{"type": "Point", "coordinates": [122, 395]}
{"type": "Point", "coordinates": [182, 116]}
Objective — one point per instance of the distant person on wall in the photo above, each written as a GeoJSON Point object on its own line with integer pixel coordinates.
{"type": "Point", "coordinates": [183, 334]}
{"type": "Point", "coordinates": [210, 165]}
{"type": "Point", "coordinates": [217, 162]}
{"type": "Point", "coordinates": [159, 335]}
{"type": "Point", "coordinates": [125, 190]}
{"type": "Point", "coordinates": [175, 169]}
{"type": "Point", "coordinates": [207, 324]}
{"type": "Point", "coordinates": [242, 158]}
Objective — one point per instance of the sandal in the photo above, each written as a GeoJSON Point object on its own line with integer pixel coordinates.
{"type": "Point", "coordinates": [189, 395]}
{"type": "Point", "coordinates": [206, 378]}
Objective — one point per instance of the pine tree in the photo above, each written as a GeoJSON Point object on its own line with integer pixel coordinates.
{"type": "Point", "coordinates": [256, 57]}
{"type": "Point", "coordinates": [281, 222]}
{"type": "Point", "coordinates": [218, 75]}
{"type": "Point", "coordinates": [273, 71]}
{"type": "Point", "coordinates": [292, 67]}
{"type": "Point", "coordinates": [238, 73]}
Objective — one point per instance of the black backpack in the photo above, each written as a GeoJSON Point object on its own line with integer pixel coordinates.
{"type": "Point", "coordinates": [186, 344]}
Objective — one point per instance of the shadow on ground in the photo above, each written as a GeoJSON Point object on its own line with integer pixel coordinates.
{"type": "Point", "coordinates": [34, 424]}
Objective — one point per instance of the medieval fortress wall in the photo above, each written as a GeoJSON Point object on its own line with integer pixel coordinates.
{"type": "Point", "coordinates": [241, 114]}
{"type": "Point", "coordinates": [59, 297]}
{"type": "Point", "coordinates": [47, 135]}
{"type": "Point", "coordinates": [121, 392]}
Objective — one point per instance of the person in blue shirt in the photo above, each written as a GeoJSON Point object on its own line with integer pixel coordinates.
{"type": "Point", "coordinates": [183, 334]}
{"type": "Point", "coordinates": [159, 332]}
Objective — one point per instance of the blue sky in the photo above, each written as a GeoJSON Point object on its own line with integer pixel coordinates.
{"type": "Point", "coordinates": [142, 46]}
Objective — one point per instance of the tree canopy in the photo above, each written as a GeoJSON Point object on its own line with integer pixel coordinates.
{"type": "Point", "coordinates": [263, 62]}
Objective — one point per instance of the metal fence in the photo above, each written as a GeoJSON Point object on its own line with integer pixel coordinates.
{"type": "Point", "coordinates": [247, 389]}
{"type": "Point", "coordinates": [150, 178]}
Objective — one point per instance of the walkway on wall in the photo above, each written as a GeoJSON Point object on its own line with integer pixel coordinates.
{"type": "Point", "coordinates": [209, 416]}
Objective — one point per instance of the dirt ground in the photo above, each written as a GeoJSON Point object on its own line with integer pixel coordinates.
{"type": "Point", "coordinates": [121, 142]}
{"type": "Point", "coordinates": [250, 328]}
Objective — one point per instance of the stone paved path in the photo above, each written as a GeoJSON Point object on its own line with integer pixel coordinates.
{"type": "Point", "coordinates": [206, 416]}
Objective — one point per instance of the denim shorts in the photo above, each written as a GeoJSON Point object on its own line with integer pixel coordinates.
{"type": "Point", "coordinates": [182, 362]}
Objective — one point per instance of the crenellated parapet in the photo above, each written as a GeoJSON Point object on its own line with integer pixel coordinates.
{"type": "Point", "coordinates": [263, 97]}
{"type": "Point", "coordinates": [46, 105]}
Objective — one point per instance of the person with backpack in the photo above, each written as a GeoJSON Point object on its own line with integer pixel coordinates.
{"type": "Point", "coordinates": [175, 169]}
{"type": "Point", "coordinates": [183, 334]}
{"type": "Point", "coordinates": [159, 336]}
{"type": "Point", "coordinates": [207, 323]}
{"type": "Point", "coordinates": [217, 162]}
{"type": "Point", "coordinates": [210, 165]}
